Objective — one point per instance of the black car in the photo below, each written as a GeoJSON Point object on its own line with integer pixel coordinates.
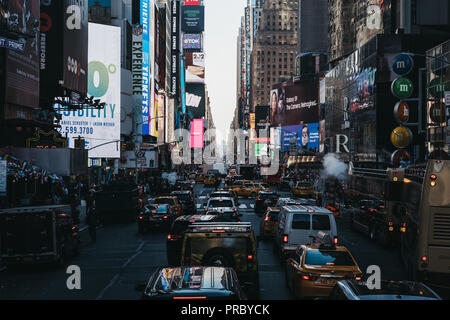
{"type": "Point", "coordinates": [155, 215]}
{"type": "Point", "coordinates": [389, 290]}
{"type": "Point", "coordinates": [174, 240]}
{"type": "Point", "coordinates": [264, 200]}
{"type": "Point", "coordinates": [187, 200]}
{"type": "Point", "coordinates": [193, 283]}
{"type": "Point", "coordinates": [183, 185]}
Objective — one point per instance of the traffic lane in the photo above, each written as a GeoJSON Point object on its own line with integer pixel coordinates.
{"type": "Point", "coordinates": [367, 252]}
{"type": "Point", "coordinates": [271, 270]}
{"type": "Point", "coordinates": [99, 263]}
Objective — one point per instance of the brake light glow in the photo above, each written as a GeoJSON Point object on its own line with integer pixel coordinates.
{"type": "Point", "coordinates": [305, 277]}
{"type": "Point", "coordinates": [165, 217]}
{"type": "Point", "coordinates": [141, 217]}
{"type": "Point", "coordinates": [266, 218]}
{"type": "Point", "coordinates": [335, 240]}
{"type": "Point", "coordinates": [250, 257]}
{"type": "Point", "coordinates": [358, 278]}
{"type": "Point", "coordinates": [424, 258]}
{"type": "Point", "coordinates": [285, 239]}
{"type": "Point", "coordinates": [433, 177]}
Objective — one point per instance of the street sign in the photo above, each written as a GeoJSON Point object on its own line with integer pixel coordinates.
{"type": "Point", "coordinates": [403, 64]}
{"type": "Point", "coordinates": [401, 137]}
{"type": "Point", "coordinates": [401, 112]}
{"type": "Point", "coordinates": [402, 88]}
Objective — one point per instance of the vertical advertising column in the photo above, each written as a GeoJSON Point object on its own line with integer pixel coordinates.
{"type": "Point", "coordinates": [146, 72]}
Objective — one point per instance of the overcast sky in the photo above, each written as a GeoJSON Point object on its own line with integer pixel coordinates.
{"type": "Point", "coordinates": [222, 22]}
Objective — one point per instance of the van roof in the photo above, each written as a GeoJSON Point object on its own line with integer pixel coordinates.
{"type": "Point", "coordinates": [220, 227]}
{"type": "Point", "coordinates": [306, 209]}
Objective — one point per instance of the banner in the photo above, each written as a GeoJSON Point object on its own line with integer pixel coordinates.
{"type": "Point", "coordinates": [193, 19]}
{"type": "Point", "coordinates": [195, 67]}
{"type": "Point", "coordinates": [292, 104]}
{"type": "Point", "coordinates": [100, 127]}
{"type": "Point", "coordinates": [136, 69]}
{"type": "Point", "coordinates": [195, 100]}
{"type": "Point", "coordinates": [175, 31]}
{"type": "Point", "coordinates": [75, 51]}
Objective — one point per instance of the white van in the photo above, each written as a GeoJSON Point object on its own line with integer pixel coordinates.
{"type": "Point", "coordinates": [298, 225]}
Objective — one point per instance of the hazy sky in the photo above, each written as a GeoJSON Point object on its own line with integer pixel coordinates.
{"type": "Point", "coordinates": [222, 22]}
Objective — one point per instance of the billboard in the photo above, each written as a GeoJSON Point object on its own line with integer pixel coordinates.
{"type": "Point", "coordinates": [191, 2]}
{"type": "Point", "coordinates": [146, 72]}
{"type": "Point", "coordinates": [292, 104]}
{"type": "Point", "coordinates": [301, 137]}
{"type": "Point", "coordinates": [75, 51]}
{"type": "Point", "coordinates": [175, 31]}
{"type": "Point", "coordinates": [22, 67]}
{"type": "Point", "coordinates": [195, 67]}
{"type": "Point", "coordinates": [192, 41]}
{"type": "Point", "coordinates": [195, 100]}
{"type": "Point", "coordinates": [193, 19]}
{"type": "Point", "coordinates": [99, 127]}
{"type": "Point", "coordinates": [262, 118]}
{"type": "Point", "coordinates": [197, 133]}
{"type": "Point", "coordinates": [136, 69]}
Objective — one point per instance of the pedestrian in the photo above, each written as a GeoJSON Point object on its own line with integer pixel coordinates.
{"type": "Point", "coordinates": [91, 216]}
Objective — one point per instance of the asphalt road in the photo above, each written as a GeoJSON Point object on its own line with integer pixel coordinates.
{"type": "Point", "coordinates": [123, 258]}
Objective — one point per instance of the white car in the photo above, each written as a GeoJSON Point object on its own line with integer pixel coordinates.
{"type": "Point", "coordinates": [223, 206]}
{"type": "Point", "coordinates": [299, 225]}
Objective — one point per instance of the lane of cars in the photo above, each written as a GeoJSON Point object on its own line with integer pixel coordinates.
{"type": "Point", "coordinates": [202, 245]}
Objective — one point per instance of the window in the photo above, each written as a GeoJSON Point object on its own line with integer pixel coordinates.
{"type": "Point", "coordinates": [301, 221]}
{"type": "Point", "coordinates": [328, 258]}
{"type": "Point", "coordinates": [321, 222]}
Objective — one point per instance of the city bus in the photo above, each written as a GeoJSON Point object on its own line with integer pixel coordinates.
{"type": "Point", "coordinates": [425, 225]}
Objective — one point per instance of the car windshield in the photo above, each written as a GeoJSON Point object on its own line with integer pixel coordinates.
{"type": "Point", "coordinates": [397, 288]}
{"type": "Point", "coordinates": [220, 203]}
{"type": "Point", "coordinates": [266, 196]}
{"type": "Point", "coordinates": [164, 201]}
{"type": "Point", "coordinates": [157, 209]}
{"type": "Point", "coordinates": [183, 197]}
{"type": "Point", "coordinates": [328, 258]}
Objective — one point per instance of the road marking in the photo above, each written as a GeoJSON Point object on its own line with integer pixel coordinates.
{"type": "Point", "coordinates": [110, 284]}
{"type": "Point", "coordinates": [116, 277]}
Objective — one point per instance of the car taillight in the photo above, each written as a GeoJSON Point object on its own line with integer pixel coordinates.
{"type": "Point", "coordinates": [424, 258]}
{"type": "Point", "coordinates": [259, 199]}
{"type": "Point", "coordinates": [285, 239]}
{"type": "Point", "coordinates": [250, 257]}
{"type": "Point", "coordinates": [266, 218]}
{"type": "Point", "coordinates": [335, 240]}
{"type": "Point", "coordinates": [141, 217]}
{"type": "Point", "coordinates": [173, 237]}
{"type": "Point", "coordinates": [165, 217]}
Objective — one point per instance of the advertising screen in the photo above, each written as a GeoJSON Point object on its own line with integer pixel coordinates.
{"type": "Point", "coordinates": [195, 67]}
{"type": "Point", "coordinates": [175, 49]}
{"type": "Point", "coordinates": [295, 103]}
{"type": "Point", "coordinates": [75, 51]}
{"type": "Point", "coordinates": [301, 137]}
{"type": "Point", "coordinates": [195, 99]}
{"type": "Point", "coordinates": [99, 127]}
{"type": "Point", "coordinates": [191, 2]}
{"type": "Point", "coordinates": [197, 133]}
{"type": "Point", "coordinates": [193, 19]}
{"type": "Point", "coordinates": [192, 41]}
{"type": "Point", "coordinates": [146, 72]}
{"type": "Point", "coordinates": [22, 68]}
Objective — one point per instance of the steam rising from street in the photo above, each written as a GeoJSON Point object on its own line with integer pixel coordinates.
{"type": "Point", "coordinates": [334, 168]}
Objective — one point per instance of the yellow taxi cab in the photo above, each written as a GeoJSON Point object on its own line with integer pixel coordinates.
{"type": "Point", "coordinates": [314, 269]}
{"type": "Point", "coordinates": [302, 189]}
{"type": "Point", "coordinates": [199, 177]}
{"type": "Point", "coordinates": [237, 184]}
{"type": "Point", "coordinates": [268, 223]}
{"type": "Point", "coordinates": [171, 201]}
{"type": "Point", "coordinates": [210, 180]}
{"type": "Point", "coordinates": [263, 186]}
{"type": "Point", "coordinates": [248, 189]}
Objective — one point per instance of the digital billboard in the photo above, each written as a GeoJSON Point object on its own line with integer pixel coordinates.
{"type": "Point", "coordinates": [292, 104]}
{"type": "Point", "coordinates": [146, 72]}
{"type": "Point", "coordinates": [75, 51]}
{"type": "Point", "coordinates": [192, 41]}
{"type": "Point", "coordinates": [22, 68]}
{"type": "Point", "coordinates": [195, 67]}
{"type": "Point", "coordinates": [197, 133]}
{"type": "Point", "coordinates": [193, 19]}
{"type": "Point", "coordinates": [191, 2]}
{"type": "Point", "coordinates": [175, 48]}
{"type": "Point", "coordinates": [195, 99]}
{"type": "Point", "coordinates": [301, 137]}
{"type": "Point", "coordinates": [99, 127]}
